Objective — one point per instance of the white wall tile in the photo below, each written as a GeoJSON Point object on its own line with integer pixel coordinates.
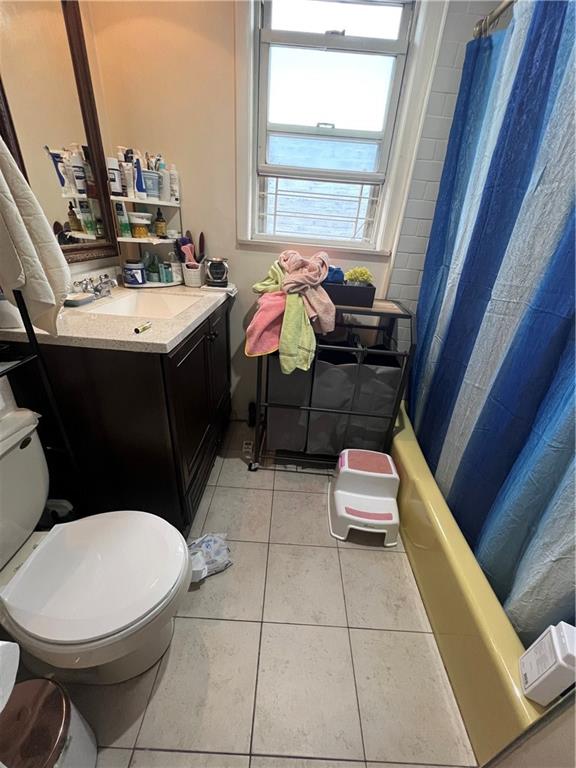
{"type": "Point", "coordinates": [447, 54]}
{"type": "Point", "coordinates": [436, 104]}
{"type": "Point", "coordinates": [440, 149]}
{"type": "Point", "coordinates": [411, 226]}
{"type": "Point", "coordinates": [432, 188]}
{"type": "Point", "coordinates": [446, 80]}
{"type": "Point", "coordinates": [426, 149]}
{"type": "Point", "coordinates": [417, 190]}
{"type": "Point", "coordinates": [449, 104]}
{"type": "Point", "coordinates": [436, 127]}
{"type": "Point", "coordinates": [420, 209]}
{"type": "Point", "coordinates": [428, 170]}
{"type": "Point", "coordinates": [424, 227]}
{"type": "Point", "coordinates": [410, 244]}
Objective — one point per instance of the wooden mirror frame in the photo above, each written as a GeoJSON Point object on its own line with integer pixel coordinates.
{"type": "Point", "coordinates": [108, 248]}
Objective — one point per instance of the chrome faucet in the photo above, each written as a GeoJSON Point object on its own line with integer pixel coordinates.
{"type": "Point", "coordinates": [104, 286]}
{"type": "Point", "coordinates": [101, 288]}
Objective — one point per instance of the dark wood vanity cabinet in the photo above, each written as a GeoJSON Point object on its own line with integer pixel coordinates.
{"type": "Point", "coordinates": [145, 427]}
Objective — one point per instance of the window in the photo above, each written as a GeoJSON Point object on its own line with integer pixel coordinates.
{"type": "Point", "coordinates": [329, 76]}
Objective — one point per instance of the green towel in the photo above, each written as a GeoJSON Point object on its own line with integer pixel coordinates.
{"type": "Point", "coordinates": [297, 340]}
{"type": "Point", "coordinates": [271, 283]}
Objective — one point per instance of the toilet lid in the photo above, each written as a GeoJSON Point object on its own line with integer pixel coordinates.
{"type": "Point", "coordinates": [96, 576]}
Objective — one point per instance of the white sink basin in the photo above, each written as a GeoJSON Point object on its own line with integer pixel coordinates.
{"type": "Point", "coordinates": [144, 305]}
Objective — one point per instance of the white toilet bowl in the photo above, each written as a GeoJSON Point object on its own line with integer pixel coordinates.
{"type": "Point", "coordinates": [96, 600]}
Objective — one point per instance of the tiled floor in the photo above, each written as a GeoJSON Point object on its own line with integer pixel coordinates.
{"type": "Point", "coordinates": [304, 654]}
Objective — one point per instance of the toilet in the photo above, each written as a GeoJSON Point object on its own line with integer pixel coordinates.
{"type": "Point", "coordinates": [90, 601]}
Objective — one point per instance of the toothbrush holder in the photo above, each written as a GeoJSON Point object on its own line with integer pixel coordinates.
{"type": "Point", "coordinates": [192, 277]}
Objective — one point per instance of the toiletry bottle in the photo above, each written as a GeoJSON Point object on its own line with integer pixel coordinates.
{"type": "Point", "coordinates": [91, 189]}
{"type": "Point", "coordinates": [127, 171]}
{"type": "Point", "coordinates": [174, 184]}
{"type": "Point", "coordinates": [73, 219]}
{"type": "Point", "coordinates": [122, 219]}
{"type": "Point", "coordinates": [139, 180]}
{"type": "Point", "coordinates": [79, 172]}
{"type": "Point", "coordinates": [86, 217]}
{"type": "Point", "coordinates": [160, 226]}
{"type": "Point", "coordinates": [114, 176]}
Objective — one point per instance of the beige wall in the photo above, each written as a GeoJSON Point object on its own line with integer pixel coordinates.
{"type": "Point", "coordinates": [168, 79]}
{"type": "Point", "coordinates": [39, 81]}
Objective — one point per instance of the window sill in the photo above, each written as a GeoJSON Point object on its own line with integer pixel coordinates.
{"type": "Point", "coordinates": [337, 251]}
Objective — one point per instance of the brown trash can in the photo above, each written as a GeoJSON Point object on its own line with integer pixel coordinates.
{"type": "Point", "coordinates": [34, 725]}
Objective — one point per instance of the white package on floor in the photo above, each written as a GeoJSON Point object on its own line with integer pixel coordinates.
{"type": "Point", "coordinates": [209, 555]}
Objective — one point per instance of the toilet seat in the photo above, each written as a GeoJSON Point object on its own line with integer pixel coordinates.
{"type": "Point", "coordinates": [97, 577]}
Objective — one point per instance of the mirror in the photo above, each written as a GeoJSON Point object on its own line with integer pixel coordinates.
{"type": "Point", "coordinates": [49, 122]}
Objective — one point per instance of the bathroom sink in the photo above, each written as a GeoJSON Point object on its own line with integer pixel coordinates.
{"type": "Point", "coordinates": [139, 304]}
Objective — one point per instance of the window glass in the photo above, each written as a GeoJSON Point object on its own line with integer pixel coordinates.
{"type": "Point", "coordinates": [355, 19]}
{"type": "Point", "coordinates": [332, 210]}
{"type": "Point", "coordinates": [312, 87]}
{"type": "Point", "coordinates": [322, 153]}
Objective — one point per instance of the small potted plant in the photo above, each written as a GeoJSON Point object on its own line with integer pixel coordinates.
{"type": "Point", "coordinates": [358, 290]}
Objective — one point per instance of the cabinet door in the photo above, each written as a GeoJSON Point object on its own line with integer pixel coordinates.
{"type": "Point", "coordinates": [220, 362]}
{"type": "Point", "coordinates": [188, 392]}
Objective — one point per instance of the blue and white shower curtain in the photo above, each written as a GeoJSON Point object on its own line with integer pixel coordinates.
{"type": "Point", "coordinates": [492, 391]}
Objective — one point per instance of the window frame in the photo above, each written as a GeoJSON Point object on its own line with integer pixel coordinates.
{"type": "Point", "coordinates": [265, 38]}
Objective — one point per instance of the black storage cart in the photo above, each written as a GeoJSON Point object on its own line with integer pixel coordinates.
{"type": "Point", "coordinates": [350, 396]}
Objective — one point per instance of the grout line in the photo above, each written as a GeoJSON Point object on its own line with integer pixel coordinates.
{"type": "Point", "coordinates": [283, 756]}
{"type": "Point", "coordinates": [149, 698]}
{"type": "Point", "coordinates": [351, 656]}
{"type": "Point", "coordinates": [308, 624]}
{"type": "Point", "coordinates": [260, 636]}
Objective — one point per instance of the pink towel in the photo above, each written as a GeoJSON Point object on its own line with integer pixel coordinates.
{"type": "Point", "coordinates": [263, 333]}
{"type": "Point", "coordinates": [300, 273]}
{"type": "Point", "coordinates": [304, 276]}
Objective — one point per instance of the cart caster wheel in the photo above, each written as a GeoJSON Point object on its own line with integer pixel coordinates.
{"type": "Point", "coordinates": [253, 466]}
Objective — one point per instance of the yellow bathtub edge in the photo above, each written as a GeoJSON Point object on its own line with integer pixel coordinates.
{"type": "Point", "coordinates": [478, 644]}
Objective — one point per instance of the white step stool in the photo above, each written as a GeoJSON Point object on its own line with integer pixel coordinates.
{"type": "Point", "coordinates": [363, 495]}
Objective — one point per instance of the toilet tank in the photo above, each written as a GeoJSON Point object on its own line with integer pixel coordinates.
{"type": "Point", "coordinates": [23, 480]}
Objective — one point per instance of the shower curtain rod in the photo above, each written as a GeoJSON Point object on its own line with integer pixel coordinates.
{"type": "Point", "coordinates": [482, 27]}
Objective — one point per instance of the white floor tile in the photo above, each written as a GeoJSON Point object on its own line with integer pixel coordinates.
{"type": "Point", "coordinates": [237, 592]}
{"type": "Point", "coordinates": [306, 701]}
{"type": "Point", "coordinates": [381, 591]}
{"type": "Point", "coordinates": [300, 518]}
{"type": "Point", "coordinates": [114, 711]}
{"type": "Point", "coordinates": [242, 513]}
{"type": "Point", "coordinates": [301, 481]}
{"type": "Point", "coordinates": [201, 513]}
{"type": "Point", "coordinates": [407, 707]}
{"type": "Point", "coordinates": [113, 758]}
{"type": "Point", "coordinates": [235, 473]}
{"type": "Point", "coordinates": [303, 586]}
{"type": "Point", "coordinates": [154, 759]}
{"type": "Point", "coordinates": [215, 471]}
{"type": "Point", "coordinates": [204, 694]}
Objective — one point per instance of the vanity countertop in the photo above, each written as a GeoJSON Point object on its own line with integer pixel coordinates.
{"type": "Point", "coordinates": [83, 328]}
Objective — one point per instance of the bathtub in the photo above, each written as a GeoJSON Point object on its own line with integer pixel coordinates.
{"type": "Point", "coordinates": [479, 646]}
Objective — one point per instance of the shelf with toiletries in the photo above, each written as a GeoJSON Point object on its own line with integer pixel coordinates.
{"type": "Point", "coordinates": [147, 201]}
{"type": "Point", "coordinates": [149, 240]}
{"type": "Point", "coordinates": [78, 186]}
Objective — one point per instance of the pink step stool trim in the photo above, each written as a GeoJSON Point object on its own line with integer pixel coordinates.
{"type": "Point", "coordinates": [369, 461]}
{"type": "Point", "coordinates": [369, 515]}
